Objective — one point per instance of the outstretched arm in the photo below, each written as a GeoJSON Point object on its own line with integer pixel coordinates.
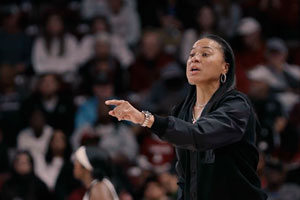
{"type": "Point", "coordinates": [225, 125]}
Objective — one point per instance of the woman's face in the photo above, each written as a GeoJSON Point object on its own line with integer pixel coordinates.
{"type": "Point", "coordinates": [48, 85]}
{"type": "Point", "coordinates": [22, 164]}
{"type": "Point", "coordinates": [206, 63]}
{"type": "Point", "coordinates": [79, 170]}
{"type": "Point", "coordinates": [54, 25]}
{"type": "Point", "coordinates": [206, 18]}
{"type": "Point", "coordinates": [58, 143]}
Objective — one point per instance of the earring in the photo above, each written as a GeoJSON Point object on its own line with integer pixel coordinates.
{"type": "Point", "coordinates": [223, 78]}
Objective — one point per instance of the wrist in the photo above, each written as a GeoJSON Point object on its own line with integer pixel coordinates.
{"type": "Point", "coordinates": [148, 117]}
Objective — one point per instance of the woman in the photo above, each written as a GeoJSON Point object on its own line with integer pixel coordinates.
{"type": "Point", "coordinates": [55, 167]}
{"type": "Point", "coordinates": [206, 23]}
{"type": "Point", "coordinates": [213, 129]}
{"type": "Point", "coordinates": [92, 168]}
{"type": "Point", "coordinates": [23, 183]}
{"type": "Point", "coordinates": [55, 51]}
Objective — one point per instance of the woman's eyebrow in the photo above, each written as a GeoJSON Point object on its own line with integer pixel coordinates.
{"type": "Point", "coordinates": [207, 47]}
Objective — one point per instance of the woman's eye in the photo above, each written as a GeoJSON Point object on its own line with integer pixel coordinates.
{"type": "Point", "coordinates": [205, 54]}
{"type": "Point", "coordinates": [192, 54]}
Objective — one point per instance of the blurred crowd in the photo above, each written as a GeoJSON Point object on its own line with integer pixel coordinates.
{"type": "Point", "coordinates": [61, 59]}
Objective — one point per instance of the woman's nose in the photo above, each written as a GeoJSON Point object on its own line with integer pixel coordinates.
{"type": "Point", "coordinates": [196, 58]}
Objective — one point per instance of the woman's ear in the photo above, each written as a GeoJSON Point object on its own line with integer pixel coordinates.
{"type": "Point", "coordinates": [225, 68]}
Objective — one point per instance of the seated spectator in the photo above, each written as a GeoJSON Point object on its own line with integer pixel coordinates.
{"type": "Point", "coordinates": [228, 14]}
{"type": "Point", "coordinates": [15, 45]}
{"type": "Point", "coordinates": [55, 51]}
{"type": "Point", "coordinates": [277, 188]}
{"type": "Point", "coordinates": [205, 23]}
{"type": "Point", "coordinates": [154, 190]}
{"type": "Point", "coordinates": [56, 105]}
{"type": "Point", "coordinates": [23, 183]}
{"type": "Point", "coordinates": [148, 64]}
{"type": "Point", "coordinates": [103, 62]}
{"type": "Point", "coordinates": [36, 137]}
{"type": "Point", "coordinates": [55, 168]}
{"type": "Point", "coordinates": [170, 25]}
{"type": "Point", "coordinates": [250, 52]}
{"type": "Point", "coordinates": [270, 111]}
{"type": "Point", "coordinates": [124, 21]}
{"type": "Point", "coordinates": [283, 78]}
{"type": "Point", "coordinates": [168, 91]}
{"type": "Point", "coordinates": [93, 169]}
{"type": "Point", "coordinates": [11, 97]}
{"type": "Point", "coordinates": [87, 113]}
{"type": "Point", "coordinates": [169, 182]}
{"type": "Point", "coordinates": [118, 47]}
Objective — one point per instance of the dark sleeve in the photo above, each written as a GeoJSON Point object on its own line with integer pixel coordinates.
{"type": "Point", "coordinates": [221, 127]}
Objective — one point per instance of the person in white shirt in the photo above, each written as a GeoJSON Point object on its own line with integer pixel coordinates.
{"type": "Point", "coordinates": [37, 136]}
{"type": "Point", "coordinates": [117, 44]}
{"type": "Point", "coordinates": [55, 51]}
{"type": "Point", "coordinates": [124, 21]}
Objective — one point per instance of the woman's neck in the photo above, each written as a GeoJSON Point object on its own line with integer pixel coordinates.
{"type": "Point", "coordinates": [205, 92]}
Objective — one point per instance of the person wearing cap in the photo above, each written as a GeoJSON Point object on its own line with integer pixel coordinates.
{"type": "Point", "coordinates": [92, 168]}
{"type": "Point", "coordinates": [213, 129]}
{"type": "Point", "coordinates": [282, 77]}
{"type": "Point", "coordinates": [251, 51]}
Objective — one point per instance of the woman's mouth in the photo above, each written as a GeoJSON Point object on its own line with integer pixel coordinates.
{"type": "Point", "coordinates": [194, 70]}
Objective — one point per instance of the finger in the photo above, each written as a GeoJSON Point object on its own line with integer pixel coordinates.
{"type": "Point", "coordinates": [112, 113]}
{"type": "Point", "coordinates": [114, 102]}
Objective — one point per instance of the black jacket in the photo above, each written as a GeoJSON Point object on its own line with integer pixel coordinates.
{"type": "Point", "coordinates": [217, 157]}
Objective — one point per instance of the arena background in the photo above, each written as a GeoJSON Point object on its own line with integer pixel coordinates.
{"type": "Point", "coordinates": [60, 60]}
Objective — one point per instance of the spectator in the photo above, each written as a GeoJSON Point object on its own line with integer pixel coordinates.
{"type": "Point", "coordinates": [148, 64]}
{"type": "Point", "coordinates": [55, 51]}
{"type": "Point", "coordinates": [283, 78]}
{"type": "Point", "coordinates": [103, 62]}
{"type": "Point", "coordinates": [87, 113]}
{"type": "Point", "coordinates": [118, 46]}
{"type": "Point", "coordinates": [11, 97]}
{"type": "Point", "coordinates": [277, 189]}
{"type": "Point", "coordinates": [55, 168]}
{"type": "Point", "coordinates": [206, 23]}
{"type": "Point", "coordinates": [228, 14]}
{"type": "Point", "coordinates": [269, 111]}
{"type": "Point", "coordinates": [36, 137]}
{"type": "Point", "coordinates": [167, 91]}
{"type": "Point", "coordinates": [169, 182]}
{"type": "Point", "coordinates": [154, 190]}
{"type": "Point", "coordinates": [251, 52]}
{"type": "Point", "coordinates": [124, 21]}
{"type": "Point", "coordinates": [23, 183]}
{"type": "Point", "coordinates": [93, 169]}
{"type": "Point", "coordinates": [56, 105]}
{"type": "Point", "coordinates": [170, 25]}
{"type": "Point", "coordinates": [15, 46]}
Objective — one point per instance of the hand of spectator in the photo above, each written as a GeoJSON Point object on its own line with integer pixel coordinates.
{"type": "Point", "coordinates": [125, 111]}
